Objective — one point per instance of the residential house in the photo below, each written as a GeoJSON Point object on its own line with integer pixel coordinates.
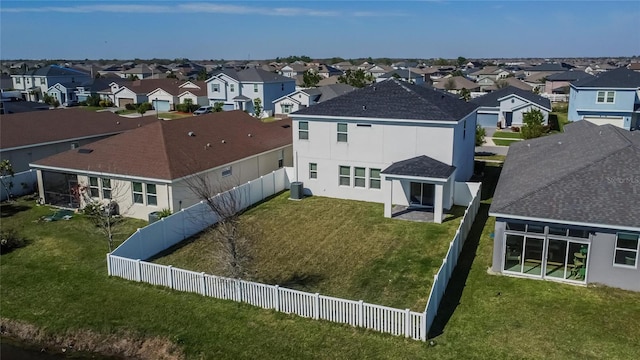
{"type": "Point", "coordinates": [551, 68]}
{"type": "Point", "coordinates": [137, 91]}
{"type": "Point", "coordinates": [54, 131]}
{"type": "Point", "coordinates": [63, 92]}
{"type": "Point", "coordinates": [635, 66]}
{"type": "Point", "coordinates": [391, 142]}
{"type": "Point", "coordinates": [33, 84]}
{"type": "Point", "coordinates": [613, 97]}
{"type": "Point", "coordinates": [566, 208]}
{"type": "Point", "coordinates": [344, 65]}
{"type": "Point", "coordinates": [99, 87]}
{"type": "Point", "coordinates": [327, 71]}
{"type": "Point", "coordinates": [155, 166]}
{"type": "Point", "coordinates": [166, 97]}
{"type": "Point", "coordinates": [293, 70]}
{"type": "Point", "coordinates": [402, 74]}
{"type": "Point", "coordinates": [378, 70]}
{"type": "Point", "coordinates": [507, 107]}
{"type": "Point", "coordinates": [137, 72]}
{"type": "Point", "coordinates": [238, 90]}
{"type": "Point", "coordinates": [455, 84]}
{"type": "Point", "coordinates": [303, 98]}
{"type": "Point", "coordinates": [559, 83]}
{"type": "Point", "coordinates": [490, 72]}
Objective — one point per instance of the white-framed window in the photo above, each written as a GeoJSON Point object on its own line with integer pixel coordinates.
{"type": "Point", "coordinates": [232, 87]}
{"type": "Point", "coordinates": [303, 130]}
{"type": "Point", "coordinates": [374, 178]}
{"type": "Point", "coordinates": [286, 108]}
{"type": "Point", "coordinates": [313, 171]}
{"type": "Point", "coordinates": [626, 250]}
{"type": "Point", "coordinates": [342, 132]}
{"type": "Point", "coordinates": [606, 97]}
{"type": "Point", "coordinates": [344, 175]}
{"type": "Point", "coordinates": [281, 159]}
{"type": "Point", "coordinates": [215, 87]}
{"type": "Point", "coordinates": [94, 188]}
{"type": "Point", "coordinates": [152, 195]}
{"type": "Point", "coordinates": [18, 80]}
{"type": "Point", "coordinates": [106, 188]}
{"type": "Point", "coordinates": [255, 88]}
{"type": "Point", "coordinates": [226, 171]}
{"type": "Point", "coordinates": [359, 177]}
{"type": "Point", "coordinates": [138, 195]}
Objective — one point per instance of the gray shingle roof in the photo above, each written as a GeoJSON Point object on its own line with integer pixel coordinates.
{"type": "Point", "coordinates": [55, 70]}
{"type": "Point", "coordinates": [570, 75]}
{"type": "Point", "coordinates": [393, 99]}
{"type": "Point", "coordinates": [589, 174]}
{"type": "Point", "coordinates": [259, 75]}
{"type": "Point", "coordinates": [617, 78]}
{"type": "Point", "coordinates": [549, 67]}
{"type": "Point", "coordinates": [402, 73]}
{"type": "Point", "coordinates": [422, 166]}
{"type": "Point", "coordinates": [491, 99]}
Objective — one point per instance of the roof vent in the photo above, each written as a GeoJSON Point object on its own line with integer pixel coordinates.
{"type": "Point", "coordinates": [224, 141]}
{"type": "Point", "coordinates": [117, 122]}
{"type": "Point", "coordinates": [249, 135]}
{"type": "Point", "coordinates": [85, 151]}
{"type": "Point", "coordinates": [286, 126]}
{"type": "Point", "coordinates": [364, 107]}
{"type": "Point", "coordinates": [374, 88]}
{"type": "Point", "coordinates": [208, 145]}
{"type": "Point", "coordinates": [191, 133]}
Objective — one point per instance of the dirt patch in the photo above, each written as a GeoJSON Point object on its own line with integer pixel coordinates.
{"type": "Point", "coordinates": [124, 345]}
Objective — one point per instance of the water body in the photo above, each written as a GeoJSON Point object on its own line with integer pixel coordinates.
{"type": "Point", "coordinates": [12, 350]}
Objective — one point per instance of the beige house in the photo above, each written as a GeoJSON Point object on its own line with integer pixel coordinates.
{"type": "Point", "coordinates": [154, 167]}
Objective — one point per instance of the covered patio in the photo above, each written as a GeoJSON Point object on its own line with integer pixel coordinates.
{"type": "Point", "coordinates": [427, 189]}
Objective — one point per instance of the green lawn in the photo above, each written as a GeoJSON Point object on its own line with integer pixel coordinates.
{"type": "Point", "coordinates": [338, 248]}
{"type": "Point", "coordinates": [562, 118]}
{"type": "Point", "coordinates": [504, 142]}
{"type": "Point", "coordinates": [490, 157]}
{"type": "Point", "coordinates": [126, 112]}
{"type": "Point", "coordinates": [173, 115]}
{"type": "Point", "coordinates": [92, 108]}
{"type": "Point", "coordinates": [507, 135]}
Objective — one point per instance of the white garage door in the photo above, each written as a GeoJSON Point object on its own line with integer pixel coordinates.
{"type": "Point", "coordinates": [161, 105]}
{"type": "Point", "coordinates": [613, 120]}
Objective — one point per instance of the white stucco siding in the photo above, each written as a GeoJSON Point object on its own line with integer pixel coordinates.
{"type": "Point", "coordinates": [221, 94]}
{"type": "Point", "coordinates": [510, 103]}
{"type": "Point", "coordinates": [518, 114]}
{"type": "Point", "coordinates": [162, 95]}
{"type": "Point", "coordinates": [464, 148]}
{"type": "Point", "coordinates": [126, 94]}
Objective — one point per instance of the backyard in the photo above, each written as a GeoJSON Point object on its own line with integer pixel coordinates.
{"type": "Point", "coordinates": [338, 248]}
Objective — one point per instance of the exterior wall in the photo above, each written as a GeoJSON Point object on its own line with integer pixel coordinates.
{"type": "Point", "coordinates": [198, 100]}
{"type": "Point", "coordinates": [549, 86]}
{"type": "Point", "coordinates": [487, 120]}
{"type": "Point", "coordinates": [464, 147]}
{"type": "Point", "coordinates": [268, 92]}
{"type": "Point", "coordinates": [125, 94]}
{"type": "Point", "coordinates": [518, 114]}
{"type": "Point", "coordinates": [277, 106]}
{"type": "Point", "coordinates": [162, 95]}
{"type": "Point", "coordinates": [582, 102]}
{"type": "Point", "coordinates": [220, 95]}
{"type": "Point", "coordinates": [374, 147]}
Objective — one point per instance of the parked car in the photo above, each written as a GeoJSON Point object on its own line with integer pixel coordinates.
{"type": "Point", "coordinates": [70, 103]}
{"type": "Point", "coordinates": [203, 110]}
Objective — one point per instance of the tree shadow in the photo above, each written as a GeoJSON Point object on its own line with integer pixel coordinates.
{"type": "Point", "coordinates": [298, 281]}
{"type": "Point", "coordinates": [8, 209]}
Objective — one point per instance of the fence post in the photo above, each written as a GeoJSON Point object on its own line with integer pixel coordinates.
{"type": "Point", "coordinates": [361, 313]}
{"type": "Point", "coordinates": [138, 271]}
{"type": "Point", "coordinates": [170, 275]}
{"type": "Point", "coordinates": [316, 306]}
{"type": "Point", "coordinates": [203, 284]}
{"type": "Point", "coordinates": [238, 292]}
{"type": "Point", "coordinates": [276, 298]}
{"type": "Point", "coordinates": [407, 322]}
{"type": "Point", "coordinates": [261, 187]}
{"type": "Point", "coordinates": [109, 264]}
{"type": "Point", "coordinates": [423, 326]}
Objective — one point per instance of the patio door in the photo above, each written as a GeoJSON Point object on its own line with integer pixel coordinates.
{"type": "Point", "coordinates": [422, 194]}
{"type": "Point", "coordinates": [524, 255]}
{"type": "Point", "coordinates": [567, 260]}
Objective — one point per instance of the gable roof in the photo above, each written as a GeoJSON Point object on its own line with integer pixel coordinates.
{"type": "Point", "coordinates": [570, 75]}
{"type": "Point", "coordinates": [393, 99]}
{"type": "Point", "coordinates": [146, 86]}
{"type": "Point", "coordinates": [492, 99]}
{"type": "Point", "coordinates": [62, 125]}
{"type": "Point", "coordinates": [549, 67]}
{"type": "Point", "coordinates": [589, 179]}
{"type": "Point", "coordinates": [401, 73]}
{"type": "Point", "coordinates": [261, 76]}
{"type": "Point", "coordinates": [459, 83]}
{"type": "Point", "coordinates": [617, 78]}
{"type": "Point", "coordinates": [421, 166]}
{"type": "Point", "coordinates": [168, 152]}
{"type": "Point", "coordinates": [55, 70]}
{"type": "Point", "coordinates": [328, 92]}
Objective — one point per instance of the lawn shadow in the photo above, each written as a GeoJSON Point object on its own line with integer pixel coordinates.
{"type": "Point", "coordinates": [8, 209]}
{"type": "Point", "coordinates": [454, 213]}
{"type": "Point", "coordinates": [298, 281]}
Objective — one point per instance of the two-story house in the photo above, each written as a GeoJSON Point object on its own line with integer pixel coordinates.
{"type": "Point", "coordinates": [391, 142]}
{"type": "Point", "coordinates": [33, 84]}
{"type": "Point", "coordinates": [613, 97]}
{"type": "Point", "coordinates": [303, 98]}
{"type": "Point", "coordinates": [238, 90]}
{"type": "Point", "coordinates": [402, 74]}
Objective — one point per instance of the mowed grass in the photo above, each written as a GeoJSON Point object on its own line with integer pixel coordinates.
{"type": "Point", "coordinates": [173, 115]}
{"type": "Point", "coordinates": [507, 135]}
{"type": "Point", "coordinates": [338, 248]}
{"type": "Point", "coordinates": [504, 142]}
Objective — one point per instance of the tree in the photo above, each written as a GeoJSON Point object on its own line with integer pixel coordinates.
{"type": "Point", "coordinates": [357, 78]}
{"type": "Point", "coordinates": [202, 75]}
{"type": "Point", "coordinates": [480, 135]}
{"type": "Point", "coordinates": [171, 75]}
{"type": "Point", "coordinates": [6, 170]}
{"type": "Point", "coordinates": [450, 84]}
{"type": "Point", "coordinates": [461, 61]}
{"type": "Point", "coordinates": [457, 73]}
{"type": "Point", "coordinates": [218, 106]}
{"type": "Point", "coordinates": [143, 108]}
{"type": "Point", "coordinates": [310, 79]}
{"type": "Point", "coordinates": [465, 94]}
{"type": "Point", "coordinates": [257, 107]}
{"type": "Point", "coordinates": [132, 77]}
{"type": "Point", "coordinates": [500, 84]}
{"type": "Point", "coordinates": [536, 90]}
{"type": "Point", "coordinates": [93, 100]}
{"type": "Point", "coordinates": [533, 124]}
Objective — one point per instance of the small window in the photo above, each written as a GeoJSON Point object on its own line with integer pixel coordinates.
{"type": "Point", "coordinates": [74, 145]}
{"type": "Point", "coordinates": [607, 97]}
{"type": "Point", "coordinates": [303, 130]}
{"type": "Point", "coordinates": [152, 196]}
{"type": "Point", "coordinates": [359, 175]}
{"type": "Point", "coordinates": [342, 132]}
{"type": "Point", "coordinates": [215, 87]}
{"type": "Point", "coordinates": [281, 159]}
{"type": "Point", "coordinates": [313, 171]}
{"type": "Point", "coordinates": [138, 196]}
{"type": "Point", "coordinates": [232, 87]}
{"type": "Point", "coordinates": [374, 178]}
{"type": "Point", "coordinates": [286, 108]}
{"type": "Point", "coordinates": [106, 188]}
{"type": "Point", "coordinates": [255, 88]}
{"type": "Point", "coordinates": [18, 81]}
{"type": "Point", "coordinates": [226, 171]}
{"type": "Point", "coordinates": [345, 175]}
{"type": "Point", "coordinates": [626, 252]}
{"type": "Point", "coordinates": [94, 189]}
{"type": "Point", "coordinates": [464, 130]}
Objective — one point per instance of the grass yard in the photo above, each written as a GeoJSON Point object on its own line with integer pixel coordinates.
{"type": "Point", "coordinates": [92, 108]}
{"type": "Point", "coordinates": [494, 157]}
{"type": "Point", "coordinates": [507, 135]}
{"type": "Point", "coordinates": [126, 112]}
{"type": "Point", "coordinates": [338, 248]}
{"type": "Point", "coordinates": [173, 115]}
{"type": "Point", "coordinates": [504, 142]}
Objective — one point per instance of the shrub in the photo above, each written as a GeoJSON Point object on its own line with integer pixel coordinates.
{"type": "Point", "coordinates": [102, 103]}
{"type": "Point", "coordinates": [164, 213]}
{"type": "Point", "coordinates": [515, 129]}
{"type": "Point", "coordinates": [480, 134]}
{"type": "Point", "coordinates": [93, 100]}
{"type": "Point", "coordinates": [82, 103]}
{"type": "Point", "coordinates": [129, 106]}
{"type": "Point", "coordinates": [533, 124]}
{"type": "Point", "coordinates": [10, 240]}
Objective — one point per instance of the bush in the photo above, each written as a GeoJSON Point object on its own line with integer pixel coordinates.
{"type": "Point", "coordinates": [164, 213]}
{"type": "Point", "coordinates": [82, 103]}
{"type": "Point", "coordinates": [480, 134]}
{"type": "Point", "coordinates": [515, 129]}
{"type": "Point", "coordinates": [130, 106]}
{"type": "Point", "coordinates": [533, 124]}
{"type": "Point", "coordinates": [10, 240]}
{"type": "Point", "coordinates": [93, 100]}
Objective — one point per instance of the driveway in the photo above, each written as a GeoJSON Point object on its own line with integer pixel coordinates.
{"type": "Point", "coordinates": [492, 150]}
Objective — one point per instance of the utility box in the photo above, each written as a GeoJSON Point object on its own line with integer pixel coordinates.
{"type": "Point", "coordinates": [296, 190]}
{"type": "Point", "coordinates": [154, 216]}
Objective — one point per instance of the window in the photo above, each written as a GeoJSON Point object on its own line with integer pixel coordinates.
{"type": "Point", "coordinates": [286, 108]}
{"type": "Point", "coordinates": [152, 196]}
{"type": "Point", "coordinates": [359, 179]}
{"type": "Point", "coordinates": [281, 159]}
{"type": "Point", "coordinates": [226, 171]}
{"type": "Point", "coordinates": [313, 171]}
{"type": "Point", "coordinates": [106, 188]}
{"type": "Point", "coordinates": [232, 87]}
{"type": "Point", "coordinates": [345, 175]}
{"type": "Point", "coordinates": [94, 190]}
{"type": "Point", "coordinates": [464, 130]}
{"type": "Point", "coordinates": [255, 88]}
{"type": "Point", "coordinates": [303, 130]}
{"type": "Point", "coordinates": [282, 87]}
{"type": "Point", "coordinates": [215, 87]}
{"type": "Point", "coordinates": [374, 178]}
{"type": "Point", "coordinates": [138, 196]}
{"type": "Point", "coordinates": [626, 252]}
{"type": "Point", "coordinates": [74, 145]}
{"type": "Point", "coordinates": [342, 132]}
{"type": "Point", "coordinates": [18, 81]}
{"type": "Point", "coordinates": [606, 97]}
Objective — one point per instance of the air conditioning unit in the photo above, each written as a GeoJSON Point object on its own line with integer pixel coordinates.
{"type": "Point", "coordinates": [296, 190]}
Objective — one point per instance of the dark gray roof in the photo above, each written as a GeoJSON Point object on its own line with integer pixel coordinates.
{"type": "Point", "coordinates": [617, 78]}
{"type": "Point", "coordinates": [549, 67]}
{"type": "Point", "coordinates": [55, 70]}
{"type": "Point", "coordinates": [422, 166]}
{"type": "Point", "coordinates": [259, 75]}
{"type": "Point", "coordinates": [402, 73]}
{"type": "Point", "coordinates": [592, 177]}
{"type": "Point", "coordinates": [570, 75]}
{"type": "Point", "coordinates": [393, 99]}
{"type": "Point", "coordinates": [491, 99]}
{"type": "Point", "coordinates": [328, 92]}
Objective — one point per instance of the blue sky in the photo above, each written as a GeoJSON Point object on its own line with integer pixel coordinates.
{"type": "Point", "coordinates": [199, 30]}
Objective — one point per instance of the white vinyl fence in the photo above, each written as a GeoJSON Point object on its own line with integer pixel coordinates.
{"type": "Point", "coordinates": [125, 262]}
{"type": "Point", "coordinates": [441, 279]}
{"type": "Point", "coordinates": [556, 97]}
{"type": "Point", "coordinates": [19, 184]}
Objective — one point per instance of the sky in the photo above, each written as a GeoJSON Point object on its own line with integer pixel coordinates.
{"type": "Point", "coordinates": [255, 30]}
